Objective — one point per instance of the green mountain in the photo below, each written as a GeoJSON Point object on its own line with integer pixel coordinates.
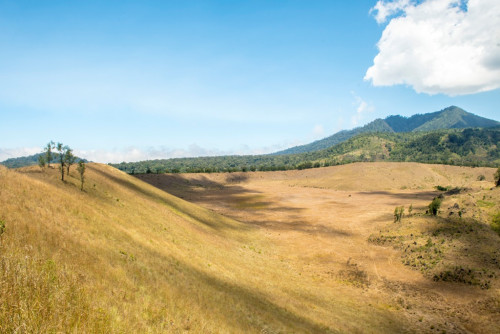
{"type": "Point", "coordinates": [448, 118]}
{"type": "Point", "coordinates": [469, 147]}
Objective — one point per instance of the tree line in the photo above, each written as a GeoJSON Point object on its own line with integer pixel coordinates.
{"type": "Point", "coordinates": [468, 147]}
{"type": "Point", "coordinates": [64, 157]}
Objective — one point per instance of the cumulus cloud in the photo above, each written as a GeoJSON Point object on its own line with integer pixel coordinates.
{"type": "Point", "coordinates": [383, 10]}
{"type": "Point", "coordinates": [438, 46]}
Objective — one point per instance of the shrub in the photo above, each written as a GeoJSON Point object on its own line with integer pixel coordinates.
{"type": "Point", "coordinates": [481, 177]}
{"type": "Point", "coordinates": [495, 223]}
{"type": "Point", "coordinates": [2, 227]}
{"type": "Point", "coordinates": [434, 206]}
{"type": "Point", "coordinates": [497, 177]}
{"type": "Point", "coordinates": [398, 213]}
{"type": "Point", "coordinates": [305, 165]}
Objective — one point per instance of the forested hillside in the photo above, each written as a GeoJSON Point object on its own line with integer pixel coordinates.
{"type": "Point", "coordinates": [448, 118]}
{"type": "Point", "coordinates": [470, 147]}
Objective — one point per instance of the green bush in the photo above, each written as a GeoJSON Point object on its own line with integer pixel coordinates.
{"type": "Point", "coordinates": [495, 223]}
{"type": "Point", "coordinates": [434, 206]}
{"type": "Point", "coordinates": [398, 213]}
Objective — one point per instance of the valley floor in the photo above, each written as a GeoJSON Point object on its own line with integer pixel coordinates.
{"type": "Point", "coordinates": [319, 222]}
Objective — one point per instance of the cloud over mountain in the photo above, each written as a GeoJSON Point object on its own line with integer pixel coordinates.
{"type": "Point", "coordinates": [438, 46]}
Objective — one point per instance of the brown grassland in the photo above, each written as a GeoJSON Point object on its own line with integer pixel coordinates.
{"type": "Point", "coordinates": [311, 251]}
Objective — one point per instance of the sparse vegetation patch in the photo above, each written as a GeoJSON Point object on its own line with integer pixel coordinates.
{"type": "Point", "coordinates": [468, 276]}
{"type": "Point", "coordinates": [353, 275]}
{"type": "Point", "coordinates": [446, 249]}
{"type": "Point", "coordinates": [495, 223]}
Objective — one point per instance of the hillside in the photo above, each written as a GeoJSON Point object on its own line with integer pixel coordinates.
{"type": "Point", "coordinates": [244, 252]}
{"type": "Point", "coordinates": [123, 256]}
{"type": "Point", "coordinates": [472, 147]}
{"type": "Point", "coordinates": [448, 118]}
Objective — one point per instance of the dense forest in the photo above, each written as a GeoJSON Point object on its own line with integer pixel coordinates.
{"type": "Point", "coordinates": [468, 147]}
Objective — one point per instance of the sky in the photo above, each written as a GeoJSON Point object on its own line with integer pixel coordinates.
{"type": "Point", "coordinates": [136, 80]}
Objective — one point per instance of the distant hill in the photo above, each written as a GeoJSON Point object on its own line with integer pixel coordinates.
{"type": "Point", "coordinates": [471, 147]}
{"type": "Point", "coordinates": [449, 118]}
{"type": "Point", "coordinates": [29, 160]}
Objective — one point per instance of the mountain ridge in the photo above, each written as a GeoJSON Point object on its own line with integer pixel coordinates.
{"type": "Point", "coordinates": [452, 117]}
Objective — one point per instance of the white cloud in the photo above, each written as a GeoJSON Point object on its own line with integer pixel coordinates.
{"type": "Point", "coordinates": [438, 46]}
{"type": "Point", "coordinates": [362, 107]}
{"type": "Point", "coordinates": [383, 9]}
{"type": "Point", "coordinates": [7, 153]}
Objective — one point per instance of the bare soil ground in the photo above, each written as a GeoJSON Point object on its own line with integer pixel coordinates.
{"type": "Point", "coordinates": [320, 223]}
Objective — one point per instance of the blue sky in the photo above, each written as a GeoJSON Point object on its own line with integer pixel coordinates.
{"type": "Point", "coordinates": [132, 80]}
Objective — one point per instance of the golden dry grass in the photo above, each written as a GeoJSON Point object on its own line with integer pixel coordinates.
{"type": "Point", "coordinates": [255, 253]}
{"type": "Point", "coordinates": [124, 256]}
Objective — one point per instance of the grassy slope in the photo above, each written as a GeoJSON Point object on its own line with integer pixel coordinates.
{"type": "Point", "coordinates": [124, 256]}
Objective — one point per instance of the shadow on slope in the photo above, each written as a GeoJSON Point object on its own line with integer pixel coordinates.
{"type": "Point", "coordinates": [251, 203]}
{"type": "Point", "coordinates": [181, 207]}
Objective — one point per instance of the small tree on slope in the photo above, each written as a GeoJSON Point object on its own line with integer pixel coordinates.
{"type": "Point", "coordinates": [81, 171]}
{"type": "Point", "coordinates": [62, 150]}
{"type": "Point", "coordinates": [69, 159]}
{"type": "Point", "coordinates": [497, 177]}
{"type": "Point", "coordinates": [48, 152]}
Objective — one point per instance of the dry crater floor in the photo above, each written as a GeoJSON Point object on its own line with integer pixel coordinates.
{"type": "Point", "coordinates": [331, 225]}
